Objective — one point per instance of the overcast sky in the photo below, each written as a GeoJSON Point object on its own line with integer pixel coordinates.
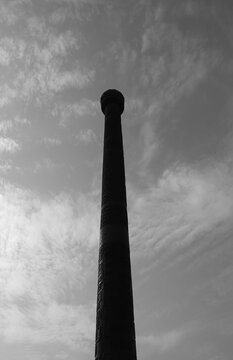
{"type": "Point", "coordinates": [172, 60]}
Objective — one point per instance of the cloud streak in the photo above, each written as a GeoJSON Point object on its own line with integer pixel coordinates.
{"type": "Point", "coordinates": [186, 203]}
{"type": "Point", "coordinates": [173, 64]}
{"type": "Point", "coordinates": [86, 136]}
{"type": "Point", "coordinates": [46, 255]}
{"type": "Point", "coordinates": [38, 65]}
{"type": "Point", "coordinates": [72, 326]}
{"type": "Point", "coordinates": [163, 343]}
{"type": "Point", "coordinates": [8, 145]}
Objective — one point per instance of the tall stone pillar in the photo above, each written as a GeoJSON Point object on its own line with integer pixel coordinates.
{"type": "Point", "coordinates": [115, 330]}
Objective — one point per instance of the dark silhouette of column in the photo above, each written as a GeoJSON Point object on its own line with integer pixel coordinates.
{"type": "Point", "coordinates": [115, 330]}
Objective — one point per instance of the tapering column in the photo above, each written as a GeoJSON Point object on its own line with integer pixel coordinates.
{"type": "Point", "coordinates": [115, 330]}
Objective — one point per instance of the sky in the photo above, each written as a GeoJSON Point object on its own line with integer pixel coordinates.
{"type": "Point", "coordinates": [172, 60]}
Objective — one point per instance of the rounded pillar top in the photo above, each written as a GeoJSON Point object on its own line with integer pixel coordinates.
{"type": "Point", "coordinates": [112, 96]}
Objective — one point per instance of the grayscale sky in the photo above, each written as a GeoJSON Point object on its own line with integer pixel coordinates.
{"type": "Point", "coordinates": [172, 60]}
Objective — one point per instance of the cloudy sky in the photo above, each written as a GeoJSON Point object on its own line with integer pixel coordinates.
{"type": "Point", "coordinates": [172, 60]}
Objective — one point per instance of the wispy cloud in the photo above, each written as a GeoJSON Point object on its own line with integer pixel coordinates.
{"type": "Point", "coordinates": [5, 166]}
{"type": "Point", "coordinates": [40, 63]}
{"type": "Point", "coordinates": [9, 145]}
{"type": "Point", "coordinates": [50, 141]}
{"type": "Point", "coordinates": [49, 79]}
{"type": "Point", "coordinates": [7, 94]}
{"type": "Point", "coordinates": [61, 15]}
{"type": "Point", "coordinates": [34, 224]}
{"type": "Point", "coordinates": [10, 125]}
{"type": "Point", "coordinates": [46, 251]}
{"type": "Point", "coordinates": [11, 11]}
{"type": "Point", "coordinates": [125, 56]}
{"type": "Point", "coordinates": [186, 203]}
{"type": "Point", "coordinates": [164, 342]}
{"type": "Point", "coordinates": [46, 164]}
{"type": "Point", "coordinates": [11, 50]}
{"type": "Point", "coordinates": [6, 126]}
{"type": "Point", "coordinates": [72, 326]}
{"type": "Point", "coordinates": [150, 144]}
{"type": "Point", "coordinates": [62, 355]}
{"type": "Point", "coordinates": [134, 107]}
{"type": "Point", "coordinates": [173, 64]}
{"type": "Point", "coordinates": [67, 112]}
{"type": "Point", "coordinates": [86, 136]}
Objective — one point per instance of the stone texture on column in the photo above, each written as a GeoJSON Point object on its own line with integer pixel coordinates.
{"type": "Point", "coordinates": [115, 329]}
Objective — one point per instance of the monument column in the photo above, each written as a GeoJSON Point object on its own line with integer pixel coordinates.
{"type": "Point", "coordinates": [115, 330]}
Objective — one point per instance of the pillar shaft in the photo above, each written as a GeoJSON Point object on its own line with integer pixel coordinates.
{"type": "Point", "coordinates": [115, 330]}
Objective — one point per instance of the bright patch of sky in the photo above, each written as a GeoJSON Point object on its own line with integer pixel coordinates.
{"type": "Point", "coordinates": [172, 60]}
